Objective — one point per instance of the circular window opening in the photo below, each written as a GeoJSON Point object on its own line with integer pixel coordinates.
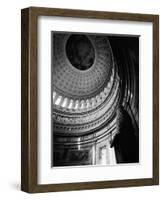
{"type": "Point", "coordinates": [80, 52]}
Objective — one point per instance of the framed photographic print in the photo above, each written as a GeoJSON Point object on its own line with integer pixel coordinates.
{"type": "Point", "coordinates": [90, 99]}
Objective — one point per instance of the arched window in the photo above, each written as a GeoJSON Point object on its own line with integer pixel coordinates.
{"type": "Point", "coordinates": [57, 102]}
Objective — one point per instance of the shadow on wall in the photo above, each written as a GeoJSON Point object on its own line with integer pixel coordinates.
{"type": "Point", "coordinates": [125, 142]}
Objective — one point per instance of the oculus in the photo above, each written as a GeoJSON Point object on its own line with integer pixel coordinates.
{"type": "Point", "coordinates": [80, 51]}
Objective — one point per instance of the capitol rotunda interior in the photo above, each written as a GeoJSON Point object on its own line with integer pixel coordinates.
{"type": "Point", "coordinates": [95, 99]}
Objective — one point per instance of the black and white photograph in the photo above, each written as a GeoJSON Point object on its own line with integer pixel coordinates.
{"type": "Point", "coordinates": [95, 99]}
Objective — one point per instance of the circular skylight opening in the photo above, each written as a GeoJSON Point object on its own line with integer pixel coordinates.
{"type": "Point", "coordinates": [80, 52]}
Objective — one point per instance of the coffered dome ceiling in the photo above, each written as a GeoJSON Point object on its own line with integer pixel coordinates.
{"type": "Point", "coordinates": [82, 65]}
{"type": "Point", "coordinates": [85, 82]}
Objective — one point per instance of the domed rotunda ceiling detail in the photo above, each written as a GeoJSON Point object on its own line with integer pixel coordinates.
{"type": "Point", "coordinates": [82, 65]}
{"type": "Point", "coordinates": [80, 52]}
{"type": "Point", "coordinates": [95, 97]}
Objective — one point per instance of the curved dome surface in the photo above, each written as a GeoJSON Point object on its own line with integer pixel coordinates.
{"type": "Point", "coordinates": [82, 65]}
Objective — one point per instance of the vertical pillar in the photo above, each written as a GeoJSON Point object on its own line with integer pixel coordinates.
{"type": "Point", "coordinates": [94, 153]}
{"type": "Point", "coordinates": [87, 103]}
{"type": "Point", "coordinates": [55, 96]}
{"type": "Point", "coordinates": [61, 101]}
{"type": "Point", "coordinates": [58, 100]}
{"type": "Point", "coordinates": [76, 104]}
{"type": "Point", "coordinates": [70, 104]}
{"type": "Point", "coordinates": [64, 104]}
